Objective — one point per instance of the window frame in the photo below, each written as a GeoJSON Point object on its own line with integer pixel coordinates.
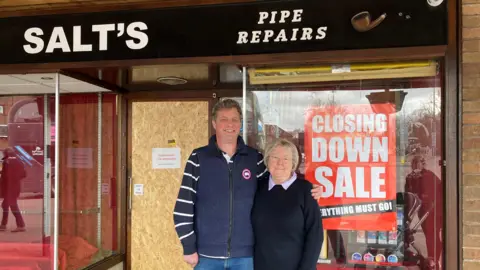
{"type": "Point", "coordinates": [439, 82]}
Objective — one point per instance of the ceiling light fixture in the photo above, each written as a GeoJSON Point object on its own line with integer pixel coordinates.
{"type": "Point", "coordinates": [171, 80]}
{"type": "Point", "coordinates": [46, 78]}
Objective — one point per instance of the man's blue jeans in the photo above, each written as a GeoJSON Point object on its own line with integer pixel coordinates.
{"type": "Point", "coordinates": [245, 263]}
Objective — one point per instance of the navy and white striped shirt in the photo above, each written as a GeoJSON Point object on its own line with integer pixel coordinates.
{"type": "Point", "coordinates": [212, 211]}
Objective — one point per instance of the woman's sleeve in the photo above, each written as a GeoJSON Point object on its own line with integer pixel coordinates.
{"type": "Point", "coordinates": [313, 235]}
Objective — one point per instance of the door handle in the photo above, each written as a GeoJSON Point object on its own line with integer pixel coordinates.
{"type": "Point", "coordinates": [130, 188]}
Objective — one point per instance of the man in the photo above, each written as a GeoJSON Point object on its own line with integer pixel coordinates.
{"type": "Point", "coordinates": [13, 172]}
{"type": "Point", "coordinates": [212, 212]}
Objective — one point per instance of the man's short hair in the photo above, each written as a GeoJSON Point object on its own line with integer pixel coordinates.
{"type": "Point", "coordinates": [226, 104]}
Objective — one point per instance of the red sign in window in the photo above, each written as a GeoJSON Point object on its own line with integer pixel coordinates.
{"type": "Point", "coordinates": [350, 152]}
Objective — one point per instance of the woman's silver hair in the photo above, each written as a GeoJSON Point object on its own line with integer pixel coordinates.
{"type": "Point", "coordinates": [283, 143]}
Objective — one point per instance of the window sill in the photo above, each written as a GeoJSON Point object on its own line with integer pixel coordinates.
{"type": "Point", "coordinates": [107, 263]}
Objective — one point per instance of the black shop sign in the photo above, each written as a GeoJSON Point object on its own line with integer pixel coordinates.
{"type": "Point", "coordinates": [266, 27]}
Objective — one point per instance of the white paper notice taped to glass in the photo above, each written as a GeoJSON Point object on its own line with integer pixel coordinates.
{"type": "Point", "coordinates": [138, 189]}
{"type": "Point", "coordinates": [166, 158]}
{"type": "Point", "coordinates": [105, 188]}
{"type": "Point", "coordinates": [80, 158]}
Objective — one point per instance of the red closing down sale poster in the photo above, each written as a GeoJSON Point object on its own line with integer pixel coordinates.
{"type": "Point", "coordinates": [350, 152]}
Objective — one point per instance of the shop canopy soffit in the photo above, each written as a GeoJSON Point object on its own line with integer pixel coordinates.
{"type": "Point", "coordinates": [44, 83]}
{"type": "Point", "coordinates": [10, 8]}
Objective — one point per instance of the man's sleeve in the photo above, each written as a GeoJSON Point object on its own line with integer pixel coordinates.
{"type": "Point", "coordinates": [184, 211]}
{"type": "Point", "coordinates": [261, 168]}
{"type": "Point", "coordinates": [314, 233]}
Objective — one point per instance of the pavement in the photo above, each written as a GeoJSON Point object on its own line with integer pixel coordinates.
{"type": "Point", "coordinates": [32, 212]}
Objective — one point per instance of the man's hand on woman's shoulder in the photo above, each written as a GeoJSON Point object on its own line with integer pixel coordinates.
{"type": "Point", "coordinates": [316, 192]}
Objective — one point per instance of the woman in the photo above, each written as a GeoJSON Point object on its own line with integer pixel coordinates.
{"type": "Point", "coordinates": [285, 218]}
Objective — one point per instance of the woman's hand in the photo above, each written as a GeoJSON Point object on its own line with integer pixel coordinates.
{"type": "Point", "coordinates": [191, 259]}
{"type": "Point", "coordinates": [316, 192]}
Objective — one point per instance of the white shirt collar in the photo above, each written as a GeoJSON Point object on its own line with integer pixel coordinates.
{"type": "Point", "coordinates": [285, 184]}
{"type": "Point", "coordinates": [227, 157]}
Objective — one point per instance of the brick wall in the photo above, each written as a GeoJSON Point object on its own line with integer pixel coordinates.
{"type": "Point", "coordinates": [471, 133]}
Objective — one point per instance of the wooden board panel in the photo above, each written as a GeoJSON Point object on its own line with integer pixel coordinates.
{"type": "Point", "coordinates": [154, 242]}
{"type": "Point", "coordinates": [190, 72]}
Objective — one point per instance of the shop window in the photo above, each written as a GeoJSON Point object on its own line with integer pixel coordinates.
{"type": "Point", "coordinates": [3, 131]}
{"type": "Point", "coordinates": [88, 231]}
{"type": "Point", "coordinates": [254, 133]}
{"type": "Point", "coordinates": [388, 209]}
{"type": "Point", "coordinates": [28, 113]}
{"type": "Point", "coordinates": [230, 74]}
{"type": "Point", "coordinates": [26, 227]}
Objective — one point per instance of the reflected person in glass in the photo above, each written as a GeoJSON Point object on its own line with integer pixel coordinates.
{"type": "Point", "coordinates": [286, 219]}
{"type": "Point", "coordinates": [13, 172]}
{"type": "Point", "coordinates": [429, 189]}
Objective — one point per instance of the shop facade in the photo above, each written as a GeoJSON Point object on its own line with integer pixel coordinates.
{"type": "Point", "coordinates": [367, 91]}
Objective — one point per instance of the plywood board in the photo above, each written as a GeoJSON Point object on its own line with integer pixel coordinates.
{"type": "Point", "coordinates": [154, 242]}
{"type": "Point", "coordinates": [191, 72]}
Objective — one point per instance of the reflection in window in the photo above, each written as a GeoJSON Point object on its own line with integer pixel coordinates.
{"type": "Point", "coordinates": [28, 113]}
{"type": "Point", "coordinates": [88, 199]}
{"type": "Point", "coordinates": [26, 229]}
{"type": "Point", "coordinates": [415, 239]}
